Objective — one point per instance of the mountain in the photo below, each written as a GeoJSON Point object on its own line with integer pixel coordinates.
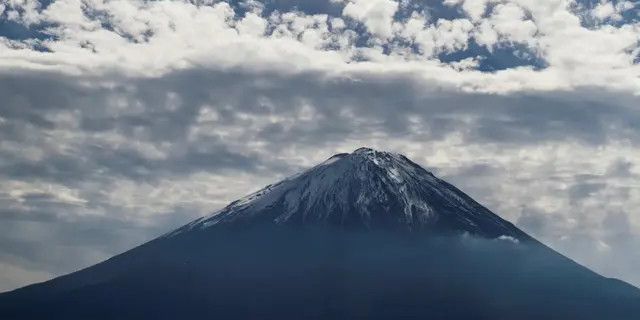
{"type": "Point", "coordinates": [367, 190]}
{"type": "Point", "coordinates": [368, 234]}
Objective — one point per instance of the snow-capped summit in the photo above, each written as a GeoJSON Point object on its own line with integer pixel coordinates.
{"type": "Point", "coordinates": [366, 189]}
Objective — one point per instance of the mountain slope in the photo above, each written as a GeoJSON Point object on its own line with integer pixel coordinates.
{"type": "Point", "coordinates": [363, 235]}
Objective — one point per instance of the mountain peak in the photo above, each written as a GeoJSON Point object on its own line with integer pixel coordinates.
{"type": "Point", "coordinates": [384, 160]}
{"type": "Point", "coordinates": [366, 189]}
{"type": "Point", "coordinates": [363, 153]}
{"type": "Point", "coordinates": [371, 153]}
{"type": "Point", "coordinates": [364, 150]}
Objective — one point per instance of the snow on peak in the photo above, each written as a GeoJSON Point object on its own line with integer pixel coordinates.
{"type": "Point", "coordinates": [368, 189]}
{"type": "Point", "coordinates": [364, 150]}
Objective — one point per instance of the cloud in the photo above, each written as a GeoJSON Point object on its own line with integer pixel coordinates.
{"type": "Point", "coordinates": [443, 36]}
{"type": "Point", "coordinates": [509, 239]}
{"type": "Point", "coordinates": [113, 36]}
{"type": "Point", "coordinates": [156, 152]}
{"type": "Point", "coordinates": [475, 9]}
{"type": "Point", "coordinates": [610, 10]}
{"type": "Point", "coordinates": [376, 15]}
{"type": "Point", "coordinates": [13, 277]}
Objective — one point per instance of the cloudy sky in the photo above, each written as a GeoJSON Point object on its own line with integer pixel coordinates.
{"type": "Point", "coordinates": [123, 119]}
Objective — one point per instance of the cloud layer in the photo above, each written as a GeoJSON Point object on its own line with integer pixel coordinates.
{"type": "Point", "coordinates": [123, 119]}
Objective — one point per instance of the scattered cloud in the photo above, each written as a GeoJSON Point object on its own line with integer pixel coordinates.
{"type": "Point", "coordinates": [376, 15]}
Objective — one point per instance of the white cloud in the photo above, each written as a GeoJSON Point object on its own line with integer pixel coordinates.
{"type": "Point", "coordinates": [215, 36]}
{"type": "Point", "coordinates": [442, 36]}
{"type": "Point", "coordinates": [604, 10]}
{"type": "Point", "coordinates": [465, 64]}
{"type": "Point", "coordinates": [474, 9]}
{"type": "Point", "coordinates": [252, 24]}
{"type": "Point", "coordinates": [486, 35]}
{"type": "Point", "coordinates": [26, 11]}
{"type": "Point", "coordinates": [377, 15]}
{"type": "Point", "coordinates": [510, 21]}
{"type": "Point", "coordinates": [508, 239]}
{"type": "Point", "coordinates": [610, 10]}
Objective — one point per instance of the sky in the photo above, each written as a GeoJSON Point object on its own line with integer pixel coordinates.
{"type": "Point", "coordinates": [121, 120]}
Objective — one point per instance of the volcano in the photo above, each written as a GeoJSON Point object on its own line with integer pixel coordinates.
{"type": "Point", "coordinates": [367, 234]}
